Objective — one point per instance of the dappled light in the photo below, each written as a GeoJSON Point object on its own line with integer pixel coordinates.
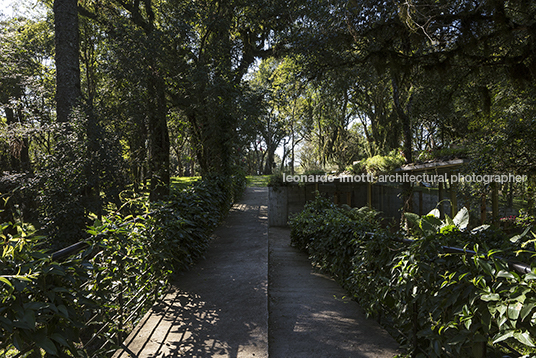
{"type": "Point", "coordinates": [131, 130]}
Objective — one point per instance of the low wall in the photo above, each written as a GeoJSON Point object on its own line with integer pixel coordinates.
{"type": "Point", "coordinates": [284, 201]}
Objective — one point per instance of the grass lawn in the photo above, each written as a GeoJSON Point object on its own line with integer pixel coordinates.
{"type": "Point", "coordinates": [179, 183]}
{"type": "Point", "coordinates": [258, 180]}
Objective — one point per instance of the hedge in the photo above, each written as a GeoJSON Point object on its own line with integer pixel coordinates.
{"type": "Point", "coordinates": [58, 306]}
{"type": "Point", "coordinates": [435, 303]}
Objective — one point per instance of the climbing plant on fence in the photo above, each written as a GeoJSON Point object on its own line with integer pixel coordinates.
{"type": "Point", "coordinates": [85, 304]}
{"type": "Point", "coordinates": [437, 304]}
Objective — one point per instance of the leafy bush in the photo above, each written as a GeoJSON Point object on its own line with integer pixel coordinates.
{"type": "Point", "coordinates": [524, 219]}
{"type": "Point", "coordinates": [76, 306]}
{"type": "Point", "coordinates": [378, 164]}
{"type": "Point", "coordinates": [326, 232]}
{"type": "Point", "coordinates": [443, 154]}
{"type": "Point", "coordinates": [17, 197]}
{"type": "Point", "coordinates": [437, 304]}
{"type": "Point", "coordinates": [42, 299]}
{"type": "Point", "coordinates": [314, 172]}
{"type": "Point", "coordinates": [276, 180]}
{"type": "Point", "coordinates": [74, 182]}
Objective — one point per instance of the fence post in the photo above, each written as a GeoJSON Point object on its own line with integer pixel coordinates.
{"type": "Point", "coordinates": [441, 197]}
{"type": "Point", "coordinates": [495, 202]}
{"type": "Point", "coordinates": [415, 319]}
{"type": "Point", "coordinates": [121, 318]}
{"type": "Point", "coordinates": [453, 196]}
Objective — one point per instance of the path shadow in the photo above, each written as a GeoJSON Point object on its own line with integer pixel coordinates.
{"type": "Point", "coordinates": [219, 308]}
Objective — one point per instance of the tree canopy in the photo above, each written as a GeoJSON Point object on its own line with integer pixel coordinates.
{"type": "Point", "coordinates": [175, 87]}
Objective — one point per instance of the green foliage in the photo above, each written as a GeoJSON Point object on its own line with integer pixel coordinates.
{"type": "Point", "coordinates": [435, 303]}
{"type": "Point", "coordinates": [524, 219]}
{"type": "Point", "coordinates": [378, 163]}
{"type": "Point", "coordinates": [258, 180]}
{"type": "Point", "coordinates": [326, 231]}
{"type": "Point", "coordinates": [179, 231]}
{"type": "Point", "coordinates": [276, 180]}
{"type": "Point", "coordinates": [48, 303]}
{"type": "Point", "coordinates": [431, 224]}
{"type": "Point", "coordinates": [183, 182]}
{"type": "Point", "coordinates": [443, 154]}
{"type": "Point", "coordinates": [41, 299]}
{"type": "Point", "coordinates": [74, 182]}
{"type": "Point", "coordinates": [17, 197]}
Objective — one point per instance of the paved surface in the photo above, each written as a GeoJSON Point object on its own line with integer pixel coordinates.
{"type": "Point", "coordinates": [220, 308]}
{"type": "Point", "coordinates": [310, 316]}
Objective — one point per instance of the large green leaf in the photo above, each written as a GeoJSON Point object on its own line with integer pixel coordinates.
{"type": "Point", "coordinates": [434, 212]}
{"type": "Point", "coordinates": [6, 281]}
{"type": "Point", "coordinates": [520, 236]}
{"type": "Point", "coordinates": [413, 218]}
{"type": "Point", "coordinates": [435, 221]}
{"type": "Point", "coordinates": [60, 339]}
{"type": "Point", "coordinates": [44, 342]}
{"type": "Point", "coordinates": [490, 297]}
{"type": "Point", "coordinates": [524, 338]}
{"type": "Point", "coordinates": [514, 309]}
{"type": "Point", "coordinates": [501, 336]}
{"type": "Point", "coordinates": [527, 308]}
{"type": "Point", "coordinates": [427, 227]}
{"type": "Point", "coordinates": [479, 229]}
{"type": "Point", "coordinates": [461, 220]}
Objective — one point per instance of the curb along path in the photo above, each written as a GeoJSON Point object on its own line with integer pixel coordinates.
{"type": "Point", "coordinates": [220, 307]}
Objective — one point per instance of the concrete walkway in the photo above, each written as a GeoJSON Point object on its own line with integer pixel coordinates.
{"type": "Point", "coordinates": [238, 303]}
{"type": "Point", "coordinates": [310, 315]}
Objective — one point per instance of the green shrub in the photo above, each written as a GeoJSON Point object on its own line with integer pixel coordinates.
{"type": "Point", "coordinates": [436, 304]}
{"type": "Point", "coordinates": [276, 180]}
{"type": "Point", "coordinates": [378, 164]}
{"type": "Point", "coordinates": [43, 301]}
{"type": "Point", "coordinates": [326, 233]}
{"type": "Point", "coordinates": [47, 303]}
{"type": "Point", "coordinates": [72, 183]}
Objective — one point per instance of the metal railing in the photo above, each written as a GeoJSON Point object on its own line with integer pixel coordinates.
{"type": "Point", "coordinates": [129, 295]}
{"type": "Point", "coordinates": [519, 267]}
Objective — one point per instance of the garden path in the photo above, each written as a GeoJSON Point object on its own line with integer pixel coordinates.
{"type": "Point", "coordinates": [255, 296]}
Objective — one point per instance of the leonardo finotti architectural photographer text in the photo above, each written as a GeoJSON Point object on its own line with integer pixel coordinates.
{"type": "Point", "coordinates": [407, 178]}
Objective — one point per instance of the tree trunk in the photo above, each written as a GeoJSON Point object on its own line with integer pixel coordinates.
{"type": "Point", "coordinates": [269, 164]}
{"type": "Point", "coordinates": [404, 119]}
{"type": "Point", "coordinates": [407, 133]}
{"type": "Point", "coordinates": [19, 155]}
{"type": "Point", "coordinates": [158, 139]}
{"type": "Point", "coordinates": [67, 57]}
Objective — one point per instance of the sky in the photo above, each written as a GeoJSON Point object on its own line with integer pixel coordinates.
{"type": "Point", "coordinates": [32, 9]}
{"type": "Point", "coordinates": [5, 8]}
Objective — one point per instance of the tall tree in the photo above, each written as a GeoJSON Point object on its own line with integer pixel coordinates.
{"type": "Point", "coordinates": [25, 47]}
{"type": "Point", "coordinates": [67, 57]}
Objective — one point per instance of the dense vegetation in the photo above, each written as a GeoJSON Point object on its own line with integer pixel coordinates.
{"type": "Point", "coordinates": [180, 88]}
{"type": "Point", "coordinates": [85, 303]}
{"type": "Point", "coordinates": [438, 304]}
{"type": "Point", "coordinates": [94, 124]}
